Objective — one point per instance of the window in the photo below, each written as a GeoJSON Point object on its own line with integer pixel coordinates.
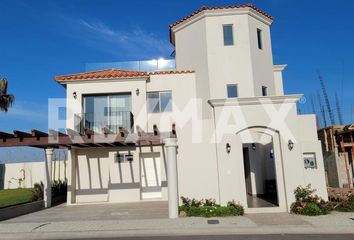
{"type": "Point", "coordinates": [107, 111]}
{"type": "Point", "coordinates": [264, 91]}
{"type": "Point", "coordinates": [259, 38]}
{"type": "Point", "coordinates": [159, 102]}
{"type": "Point", "coordinates": [310, 160]}
{"type": "Point", "coordinates": [228, 35]}
{"type": "Point", "coordinates": [232, 91]}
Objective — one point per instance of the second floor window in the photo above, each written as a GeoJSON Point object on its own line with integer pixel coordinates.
{"type": "Point", "coordinates": [159, 102]}
{"type": "Point", "coordinates": [228, 35]}
{"type": "Point", "coordinates": [259, 38]}
{"type": "Point", "coordinates": [232, 91]}
{"type": "Point", "coordinates": [264, 91]}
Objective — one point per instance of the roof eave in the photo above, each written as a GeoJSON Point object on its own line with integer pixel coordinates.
{"type": "Point", "coordinates": [215, 12]}
{"type": "Point", "coordinates": [71, 81]}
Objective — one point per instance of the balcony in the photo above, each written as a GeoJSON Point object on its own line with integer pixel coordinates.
{"type": "Point", "coordinates": [104, 122]}
{"type": "Point", "coordinates": [147, 66]}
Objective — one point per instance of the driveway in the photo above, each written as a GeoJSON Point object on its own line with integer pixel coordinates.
{"type": "Point", "coordinates": [109, 211]}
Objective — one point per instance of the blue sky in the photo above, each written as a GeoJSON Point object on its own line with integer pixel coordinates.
{"type": "Point", "coordinates": [41, 39]}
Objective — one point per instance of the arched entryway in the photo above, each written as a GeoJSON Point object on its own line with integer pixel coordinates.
{"type": "Point", "coordinates": [263, 169]}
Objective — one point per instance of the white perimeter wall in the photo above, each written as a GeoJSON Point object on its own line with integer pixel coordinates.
{"type": "Point", "coordinates": [33, 173]}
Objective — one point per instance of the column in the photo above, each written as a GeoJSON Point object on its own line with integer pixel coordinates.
{"type": "Point", "coordinates": [171, 153]}
{"type": "Point", "coordinates": [47, 192]}
{"type": "Point", "coordinates": [71, 196]}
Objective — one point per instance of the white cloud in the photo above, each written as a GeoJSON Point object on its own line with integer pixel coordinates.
{"type": "Point", "coordinates": [135, 42]}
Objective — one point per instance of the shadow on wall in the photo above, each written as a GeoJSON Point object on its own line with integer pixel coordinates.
{"type": "Point", "coordinates": [2, 176]}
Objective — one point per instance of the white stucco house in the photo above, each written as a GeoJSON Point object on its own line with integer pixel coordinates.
{"type": "Point", "coordinates": [239, 136]}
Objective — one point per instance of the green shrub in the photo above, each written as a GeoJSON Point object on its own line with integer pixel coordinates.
{"type": "Point", "coordinates": [208, 208]}
{"type": "Point", "coordinates": [37, 192]}
{"type": "Point", "coordinates": [310, 209]}
{"type": "Point", "coordinates": [308, 203]}
{"type": "Point", "coordinates": [59, 188]}
{"type": "Point", "coordinates": [194, 212]}
{"type": "Point", "coordinates": [236, 209]}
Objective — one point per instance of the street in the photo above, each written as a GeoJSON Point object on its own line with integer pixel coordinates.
{"type": "Point", "coordinates": [247, 237]}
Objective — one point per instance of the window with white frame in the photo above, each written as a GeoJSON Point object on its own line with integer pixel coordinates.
{"type": "Point", "coordinates": [158, 102]}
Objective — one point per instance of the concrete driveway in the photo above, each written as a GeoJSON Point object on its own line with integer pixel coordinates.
{"type": "Point", "coordinates": [109, 211]}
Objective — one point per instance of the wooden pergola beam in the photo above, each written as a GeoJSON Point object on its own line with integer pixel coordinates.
{"type": "Point", "coordinates": [6, 135]}
{"type": "Point", "coordinates": [36, 133]}
{"type": "Point", "coordinates": [20, 134]}
{"type": "Point", "coordinates": [42, 140]}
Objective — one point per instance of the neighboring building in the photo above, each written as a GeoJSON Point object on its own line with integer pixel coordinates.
{"type": "Point", "coordinates": [338, 155]}
{"type": "Point", "coordinates": [239, 136]}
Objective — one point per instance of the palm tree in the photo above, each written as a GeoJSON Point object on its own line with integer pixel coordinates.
{"type": "Point", "coordinates": [6, 100]}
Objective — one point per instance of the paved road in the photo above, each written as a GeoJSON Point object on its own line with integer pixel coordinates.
{"type": "Point", "coordinates": [245, 237]}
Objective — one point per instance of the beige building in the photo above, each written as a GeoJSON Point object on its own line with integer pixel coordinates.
{"type": "Point", "coordinates": [338, 154]}
{"type": "Point", "coordinates": [239, 136]}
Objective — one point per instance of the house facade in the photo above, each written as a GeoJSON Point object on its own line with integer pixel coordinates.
{"type": "Point", "coordinates": [239, 136]}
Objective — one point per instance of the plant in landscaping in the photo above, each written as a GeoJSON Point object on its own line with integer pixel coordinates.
{"type": "Point", "coordinates": [59, 188]}
{"type": "Point", "coordinates": [346, 204]}
{"type": "Point", "coordinates": [236, 208]}
{"type": "Point", "coordinates": [209, 208]}
{"type": "Point", "coordinates": [37, 192]}
{"type": "Point", "coordinates": [308, 203]}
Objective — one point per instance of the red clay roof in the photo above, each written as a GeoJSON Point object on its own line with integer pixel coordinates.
{"type": "Point", "coordinates": [249, 5]}
{"type": "Point", "coordinates": [114, 73]}
{"type": "Point", "coordinates": [102, 74]}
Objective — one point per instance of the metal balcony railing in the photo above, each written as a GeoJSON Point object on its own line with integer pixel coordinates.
{"type": "Point", "coordinates": [111, 121]}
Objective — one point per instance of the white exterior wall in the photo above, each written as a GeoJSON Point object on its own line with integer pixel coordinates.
{"type": "Point", "coordinates": [199, 46]}
{"type": "Point", "coordinates": [278, 79]}
{"type": "Point", "coordinates": [205, 170]}
{"type": "Point", "coordinates": [33, 173]}
{"type": "Point", "coordinates": [94, 165]}
{"type": "Point", "coordinates": [289, 163]}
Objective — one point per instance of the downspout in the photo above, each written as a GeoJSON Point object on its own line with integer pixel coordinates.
{"type": "Point", "coordinates": [216, 152]}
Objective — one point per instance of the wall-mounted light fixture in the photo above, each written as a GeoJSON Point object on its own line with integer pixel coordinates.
{"type": "Point", "coordinates": [290, 145]}
{"type": "Point", "coordinates": [74, 95]}
{"type": "Point", "coordinates": [254, 147]}
{"type": "Point", "coordinates": [228, 148]}
{"type": "Point", "coordinates": [137, 91]}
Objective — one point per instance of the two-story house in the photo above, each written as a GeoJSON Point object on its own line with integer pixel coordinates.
{"type": "Point", "coordinates": [239, 136]}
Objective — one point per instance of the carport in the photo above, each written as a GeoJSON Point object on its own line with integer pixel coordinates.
{"type": "Point", "coordinates": [74, 140]}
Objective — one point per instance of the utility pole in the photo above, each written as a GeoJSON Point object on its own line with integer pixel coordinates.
{"type": "Point", "coordinates": [328, 105]}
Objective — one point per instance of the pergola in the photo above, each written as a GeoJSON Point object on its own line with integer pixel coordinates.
{"type": "Point", "coordinates": [89, 139]}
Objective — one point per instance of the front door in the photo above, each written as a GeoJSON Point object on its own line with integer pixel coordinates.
{"type": "Point", "coordinates": [151, 176]}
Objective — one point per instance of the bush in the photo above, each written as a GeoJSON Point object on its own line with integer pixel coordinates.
{"type": "Point", "coordinates": [59, 188]}
{"type": "Point", "coordinates": [37, 192]}
{"type": "Point", "coordinates": [307, 203]}
{"type": "Point", "coordinates": [346, 204]}
{"type": "Point", "coordinates": [209, 208]}
{"type": "Point", "coordinates": [236, 208]}
{"type": "Point", "coordinates": [310, 209]}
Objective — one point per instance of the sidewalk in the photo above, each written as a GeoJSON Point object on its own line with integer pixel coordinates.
{"type": "Point", "coordinates": [250, 224]}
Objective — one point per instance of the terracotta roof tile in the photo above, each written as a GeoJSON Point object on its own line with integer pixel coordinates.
{"type": "Point", "coordinates": [249, 5]}
{"type": "Point", "coordinates": [102, 74]}
{"type": "Point", "coordinates": [171, 72]}
{"type": "Point", "coordinates": [115, 73]}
